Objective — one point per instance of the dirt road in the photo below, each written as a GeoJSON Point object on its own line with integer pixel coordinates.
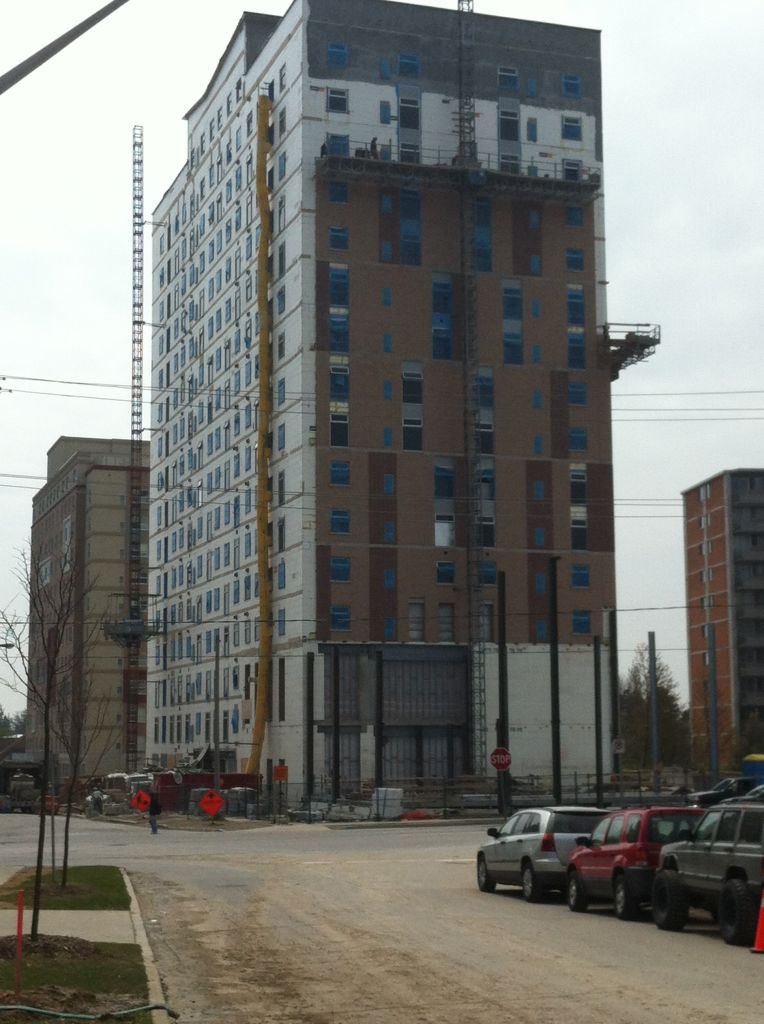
{"type": "Point", "coordinates": [331, 928]}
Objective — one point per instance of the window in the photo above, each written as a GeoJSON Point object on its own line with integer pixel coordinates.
{"type": "Point", "coordinates": [571, 85]}
{"type": "Point", "coordinates": [281, 391]}
{"type": "Point", "coordinates": [387, 437]}
{"type": "Point", "coordinates": [442, 334]}
{"type": "Point", "coordinates": [574, 216]}
{"type": "Point", "coordinates": [578, 532]}
{"type": "Point", "coordinates": [281, 436]}
{"type": "Point", "coordinates": [340, 474]}
{"type": "Point", "coordinates": [339, 383]}
{"type": "Point", "coordinates": [338, 238]}
{"type": "Point", "coordinates": [578, 439]}
{"type": "Point", "coordinates": [282, 78]}
{"type": "Point", "coordinates": [535, 265]}
{"type": "Point", "coordinates": [339, 332]}
{"type": "Point", "coordinates": [513, 348]}
{"type": "Point", "coordinates": [384, 111]}
{"type": "Point", "coordinates": [444, 482]}
{"type": "Point", "coordinates": [384, 68]}
{"type": "Point", "coordinates": [339, 521]}
{"type": "Point", "coordinates": [579, 576]}
{"type": "Point", "coordinates": [387, 342]}
{"type": "Point", "coordinates": [339, 569]}
{"type": "Point", "coordinates": [531, 129]}
{"type": "Point", "coordinates": [574, 259]}
{"type": "Point", "coordinates": [411, 228]}
{"type": "Point", "coordinates": [571, 170]}
{"type": "Point", "coordinates": [536, 399]}
{"type": "Point", "coordinates": [581, 622]}
{"type": "Point", "coordinates": [280, 622]}
{"type": "Point", "coordinates": [578, 485]}
{"type": "Point", "coordinates": [337, 101]}
{"type": "Point", "coordinates": [482, 237]}
{"type": "Point", "coordinates": [340, 616]}
{"type": "Point", "coordinates": [389, 628]}
{"type": "Point", "coordinates": [408, 112]}
{"type": "Point", "coordinates": [487, 573]}
{"type": "Point", "coordinates": [539, 537]}
{"type": "Point", "coordinates": [282, 165]}
{"type": "Point", "coordinates": [416, 620]}
{"type": "Point", "coordinates": [411, 385]}
{"type": "Point", "coordinates": [339, 430]}
{"type": "Point", "coordinates": [338, 192]}
{"type": "Point", "coordinates": [576, 305]}
{"type": "Point", "coordinates": [444, 572]}
{"type": "Point", "coordinates": [388, 483]}
{"type": "Point", "coordinates": [540, 582]}
{"type": "Point", "coordinates": [576, 348]}
{"type": "Point", "coordinates": [538, 445]}
{"type": "Point", "coordinates": [387, 297]}
{"type": "Point", "coordinates": [388, 531]}
{"type": "Point", "coordinates": [339, 286]}
{"type": "Point", "coordinates": [409, 153]}
{"type": "Point", "coordinates": [337, 54]}
{"type": "Point", "coordinates": [541, 631]}
{"type": "Point", "coordinates": [445, 623]}
{"type": "Point", "coordinates": [408, 65]}
{"type": "Point", "coordinates": [338, 145]}
{"type": "Point", "coordinates": [539, 490]}
{"type": "Point", "coordinates": [281, 300]}
{"type": "Point", "coordinates": [576, 392]}
{"type": "Point", "coordinates": [388, 579]}
{"type": "Point", "coordinates": [509, 125]}
{"type": "Point", "coordinates": [509, 80]}
{"type": "Point", "coordinates": [412, 433]}
{"type": "Point", "coordinates": [571, 128]}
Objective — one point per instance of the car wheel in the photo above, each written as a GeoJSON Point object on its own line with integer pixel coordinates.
{"type": "Point", "coordinates": [532, 891]}
{"type": "Point", "coordinates": [625, 905]}
{"type": "Point", "coordinates": [670, 905]}
{"type": "Point", "coordinates": [578, 901]}
{"type": "Point", "coordinates": [484, 880]}
{"type": "Point", "coordinates": [738, 913]}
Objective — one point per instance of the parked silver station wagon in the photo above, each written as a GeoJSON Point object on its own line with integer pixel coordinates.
{"type": "Point", "coordinates": [532, 849]}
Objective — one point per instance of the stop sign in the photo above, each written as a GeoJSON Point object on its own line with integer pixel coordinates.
{"type": "Point", "coordinates": [501, 759]}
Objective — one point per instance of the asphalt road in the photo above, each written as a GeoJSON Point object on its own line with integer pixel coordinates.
{"type": "Point", "coordinates": [385, 926]}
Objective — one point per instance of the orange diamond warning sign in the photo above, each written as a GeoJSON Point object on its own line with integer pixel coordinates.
{"type": "Point", "coordinates": [141, 801]}
{"type": "Point", "coordinates": [211, 802]}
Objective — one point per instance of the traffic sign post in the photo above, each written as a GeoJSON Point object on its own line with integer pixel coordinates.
{"type": "Point", "coordinates": [501, 759]}
{"type": "Point", "coordinates": [281, 775]}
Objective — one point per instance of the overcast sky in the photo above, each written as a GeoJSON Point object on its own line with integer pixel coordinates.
{"type": "Point", "coordinates": [682, 85]}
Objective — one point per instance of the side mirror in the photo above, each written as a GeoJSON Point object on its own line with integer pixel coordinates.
{"type": "Point", "coordinates": [493, 833]}
{"type": "Point", "coordinates": [583, 841]}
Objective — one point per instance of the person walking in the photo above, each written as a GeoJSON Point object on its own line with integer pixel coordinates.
{"type": "Point", "coordinates": [155, 809]}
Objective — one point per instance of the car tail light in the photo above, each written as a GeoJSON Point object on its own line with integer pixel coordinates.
{"type": "Point", "coordinates": [547, 843]}
{"type": "Point", "coordinates": [641, 858]}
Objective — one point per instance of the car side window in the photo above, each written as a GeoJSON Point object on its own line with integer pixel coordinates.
{"type": "Point", "coordinates": [632, 828]}
{"type": "Point", "coordinates": [598, 835]}
{"type": "Point", "coordinates": [519, 825]}
{"type": "Point", "coordinates": [727, 827]}
{"type": "Point", "coordinates": [706, 827]}
{"type": "Point", "coordinates": [533, 824]}
{"type": "Point", "coordinates": [614, 832]}
{"type": "Point", "coordinates": [509, 827]}
{"type": "Point", "coordinates": [750, 827]}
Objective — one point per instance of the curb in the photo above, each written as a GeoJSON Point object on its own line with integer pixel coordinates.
{"type": "Point", "coordinates": [425, 823]}
{"type": "Point", "coordinates": [155, 994]}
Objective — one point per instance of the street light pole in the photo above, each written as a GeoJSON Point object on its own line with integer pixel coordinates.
{"type": "Point", "coordinates": [216, 716]}
{"type": "Point", "coordinates": [554, 672]}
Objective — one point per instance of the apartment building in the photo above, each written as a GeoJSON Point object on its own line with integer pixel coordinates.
{"type": "Point", "coordinates": [724, 565]}
{"type": "Point", "coordinates": [382, 379]}
{"type": "Point", "coordinates": [80, 555]}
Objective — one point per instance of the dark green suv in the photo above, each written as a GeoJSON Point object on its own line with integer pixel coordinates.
{"type": "Point", "coordinates": [720, 868]}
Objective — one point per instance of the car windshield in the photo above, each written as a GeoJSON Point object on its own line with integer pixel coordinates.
{"type": "Point", "coordinates": [577, 822]}
{"type": "Point", "coordinates": [670, 828]}
{"type": "Point", "coordinates": [721, 786]}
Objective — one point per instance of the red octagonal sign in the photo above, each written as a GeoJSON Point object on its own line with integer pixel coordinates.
{"type": "Point", "coordinates": [211, 802]}
{"type": "Point", "coordinates": [501, 759]}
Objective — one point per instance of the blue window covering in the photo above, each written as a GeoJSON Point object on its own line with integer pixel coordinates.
{"type": "Point", "coordinates": [337, 54]}
{"type": "Point", "coordinates": [579, 575]}
{"type": "Point", "coordinates": [340, 616]}
{"type": "Point", "coordinates": [442, 325]}
{"type": "Point", "coordinates": [539, 490]}
{"type": "Point", "coordinates": [541, 631]}
{"type": "Point", "coordinates": [574, 259]}
{"type": "Point", "coordinates": [387, 343]}
{"type": "Point", "coordinates": [339, 384]}
{"type": "Point", "coordinates": [574, 216]}
{"type": "Point", "coordinates": [535, 265]}
{"type": "Point", "coordinates": [384, 68]}
{"type": "Point", "coordinates": [536, 354]}
{"type": "Point", "coordinates": [411, 228]}
{"type": "Point", "coordinates": [408, 65]}
{"type": "Point", "coordinates": [339, 238]}
{"type": "Point", "coordinates": [509, 80]}
{"type": "Point", "coordinates": [389, 579]}
{"type": "Point", "coordinates": [386, 203]}
{"type": "Point", "coordinates": [387, 297]}
{"type": "Point", "coordinates": [281, 391]}
{"type": "Point", "coordinates": [485, 388]}
{"type": "Point", "coordinates": [445, 572]}
{"type": "Point", "coordinates": [535, 308]}
{"type": "Point", "coordinates": [534, 219]}
{"type": "Point", "coordinates": [387, 437]}
{"type": "Point", "coordinates": [578, 440]}
{"type": "Point", "coordinates": [531, 129]}
{"type": "Point", "coordinates": [512, 302]}
{"type": "Point", "coordinates": [513, 348]}
{"type": "Point", "coordinates": [571, 85]}
{"type": "Point", "coordinates": [482, 217]}
{"type": "Point", "coordinates": [338, 145]}
{"type": "Point", "coordinates": [340, 473]}
{"type": "Point", "coordinates": [536, 399]}
{"type": "Point", "coordinates": [389, 629]}
{"type": "Point", "coordinates": [487, 572]}
{"type": "Point", "coordinates": [281, 575]}
{"type": "Point", "coordinates": [582, 622]}
{"type": "Point", "coordinates": [389, 532]}
{"type": "Point", "coordinates": [538, 445]}
{"type": "Point", "coordinates": [576, 392]}
{"type": "Point", "coordinates": [388, 483]}
{"type": "Point", "coordinates": [338, 192]}
{"type": "Point", "coordinates": [576, 306]}
{"type": "Point", "coordinates": [339, 521]}
{"type": "Point", "coordinates": [571, 128]}
{"type": "Point", "coordinates": [540, 582]}
{"type": "Point", "coordinates": [387, 252]}
{"type": "Point", "coordinates": [539, 537]}
{"type": "Point", "coordinates": [281, 622]}
{"type": "Point", "coordinates": [339, 332]}
{"type": "Point", "coordinates": [384, 111]}
{"type": "Point", "coordinates": [576, 350]}
{"type": "Point", "coordinates": [530, 87]}
{"type": "Point", "coordinates": [387, 390]}
{"type": "Point", "coordinates": [339, 569]}
{"type": "Point", "coordinates": [339, 286]}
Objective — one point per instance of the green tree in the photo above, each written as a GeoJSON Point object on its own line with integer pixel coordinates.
{"type": "Point", "coordinates": [636, 715]}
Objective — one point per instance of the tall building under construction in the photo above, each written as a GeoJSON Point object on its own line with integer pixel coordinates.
{"type": "Point", "coordinates": [381, 383]}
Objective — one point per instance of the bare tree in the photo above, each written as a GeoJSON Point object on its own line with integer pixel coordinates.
{"type": "Point", "coordinates": [42, 658]}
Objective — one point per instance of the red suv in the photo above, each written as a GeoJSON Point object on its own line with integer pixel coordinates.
{"type": "Point", "coordinates": [620, 858]}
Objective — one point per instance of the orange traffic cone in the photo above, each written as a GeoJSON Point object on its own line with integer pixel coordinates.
{"type": "Point", "coordinates": [758, 942]}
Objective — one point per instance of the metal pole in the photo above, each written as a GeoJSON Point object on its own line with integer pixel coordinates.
{"type": "Point", "coordinates": [502, 731]}
{"type": "Point", "coordinates": [379, 725]}
{"type": "Point", "coordinates": [554, 673]}
{"type": "Point", "coordinates": [598, 721]}
{"type": "Point", "coordinates": [615, 712]}
{"type": "Point", "coordinates": [335, 725]}
{"type": "Point", "coordinates": [309, 727]}
{"type": "Point", "coordinates": [216, 716]}
{"type": "Point", "coordinates": [654, 726]}
{"type": "Point", "coordinates": [713, 706]}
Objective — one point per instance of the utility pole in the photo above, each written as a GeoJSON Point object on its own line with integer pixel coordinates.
{"type": "Point", "coordinates": [216, 715]}
{"type": "Point", "coordinates": [554, 675]}
{"type": "Point", "coordinates": [379, 721]}
{"type": "Point", "coordinates": [655, 743]}
{"type": "Point", "coordinates": [502, 730]}
{"type": "Point", "coordinates": [598, 720]}
{"type": "Point", "coordinates": [335, 724]}
{"type": "Point", "coordinates": [713, 706]}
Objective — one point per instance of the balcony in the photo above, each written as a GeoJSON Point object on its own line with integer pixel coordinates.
{"type": "Point", "coordinates": [536, 179]}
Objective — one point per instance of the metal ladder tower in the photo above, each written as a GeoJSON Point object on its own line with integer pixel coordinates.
{"type": "Point", "coordinates": [470, 185]}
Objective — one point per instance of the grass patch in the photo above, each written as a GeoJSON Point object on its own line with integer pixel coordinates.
{"type": "Point", "coordinates": [87, 888]}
